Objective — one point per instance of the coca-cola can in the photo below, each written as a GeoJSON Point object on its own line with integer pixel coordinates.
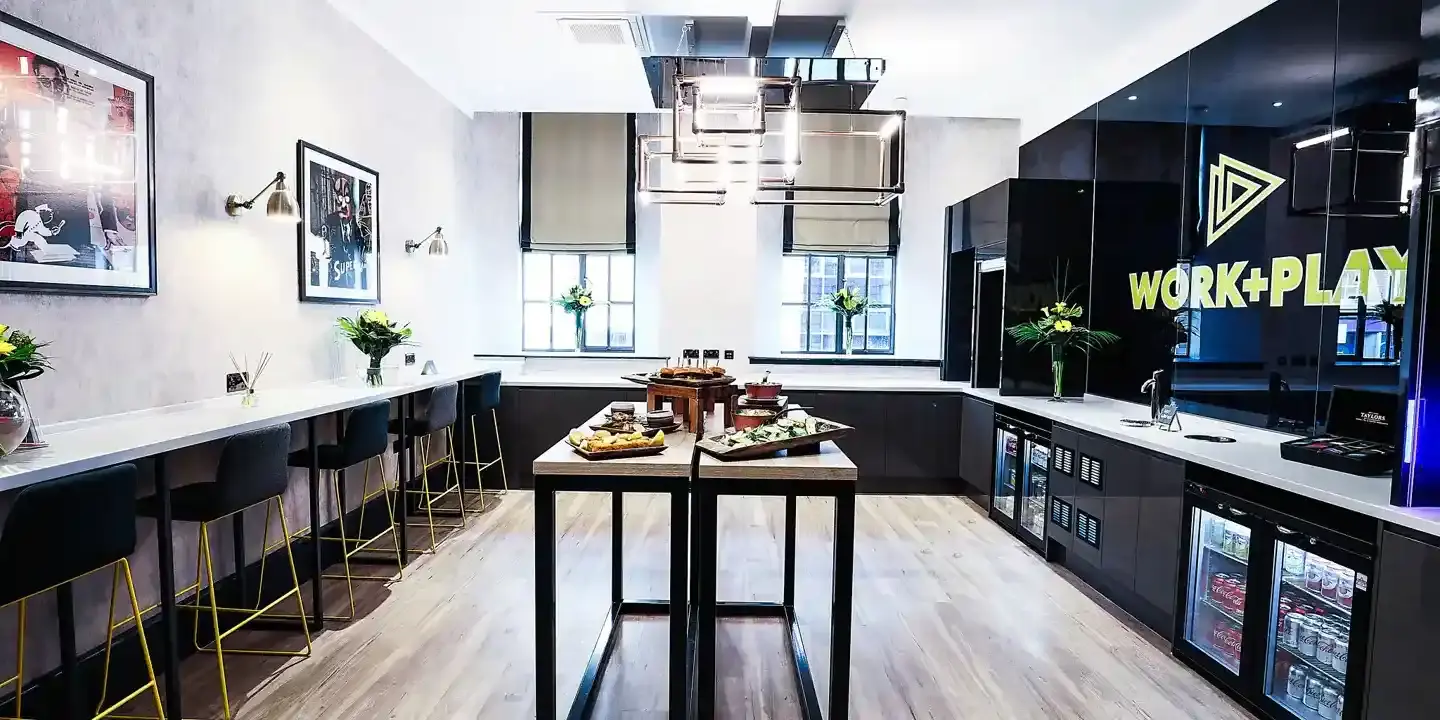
{"type": "Point", "coordinates": [1340, 658]}
{"type": "Point", "coordinates": [1345, 590]}
{"type": "Point", "coordinates": [1217, 588]}
{"type": "Point", "coordinates": [1309, 636]}
{"type": "Point", "coordinates": [1314, 689]}
{"type": "Point", "coordinates": [1325, 648]}
{"type": "Point", "coordinates": [1233, 638]}
{"type": "Point", "coordinates": [1295, 683]}
{"type": "Point", "coordinates": [1237, 598]}
{"type": "Point", "coordinates": [1293, 623]}
{"type": "Point", "coordinates": [1330, 704]}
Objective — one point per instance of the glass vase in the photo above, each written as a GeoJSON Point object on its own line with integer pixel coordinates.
{"type": "Point", "coordinates": [849, 339]}
{"type": "Point", "coordinates": [374, 376]}
{"type": "Point", "coordinates": [579, 332]}
{"type": "Point", "coordinates": [15, 419]}
{"type": "Point", "coordinates": [1057, 371]}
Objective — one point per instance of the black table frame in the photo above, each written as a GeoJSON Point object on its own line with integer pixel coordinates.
{"type": "Point", "coordinates": [677, 607]}
{"type": "Point", "coordinates": [709, 610]}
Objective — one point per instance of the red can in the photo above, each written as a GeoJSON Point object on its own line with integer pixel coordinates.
{"type": "Point", "coordinates": [1237, 599]}
{"type": "Point", "coordinates": [1217, 588]}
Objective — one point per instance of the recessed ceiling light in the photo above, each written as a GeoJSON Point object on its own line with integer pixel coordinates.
{"type": "Point", "coordinates": [1133, 97]}
{"type": "Point", "coordinates": [1277, 103]}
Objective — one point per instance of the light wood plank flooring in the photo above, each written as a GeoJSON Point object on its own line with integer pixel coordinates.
{"type": "Point", "coordinates": [953, 618]}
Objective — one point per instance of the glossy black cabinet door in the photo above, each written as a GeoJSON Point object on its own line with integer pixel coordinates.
{"type": "Point", "coordinates": [533, 419]}
{"type": "Point", "coordinates": [1125, 470]}
{"type": "Point", "coordinates": [977, 448]}
{"type": "Point", "coordinates": [1157, 549]}
{"type": "Point", "coordinates": [1406, 631]}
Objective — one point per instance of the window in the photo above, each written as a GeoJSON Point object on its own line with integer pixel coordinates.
{"type": "Point", "coordinates": [1369, 319]}
{"type": "Point", "coordinates": [609, 325]}
{"type": "Point", "coordinates": [807, 279]}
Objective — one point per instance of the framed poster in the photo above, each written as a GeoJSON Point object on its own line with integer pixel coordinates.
{"type": "Point", "coordinates": [77, 168]}
{"type": "Point", "coordinates": [339, 229]}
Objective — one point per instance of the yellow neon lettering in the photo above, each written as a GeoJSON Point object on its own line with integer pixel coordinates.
{"type": "Point", "coordinates": [1227, 287]}
{"type": "Point", "coordinates": [1398, 263]}
{"type": "Point", "coordinates": [1143, 289]}
{"type": "Point", "coordinates": [1359, 261]}
{"type": "Point", "coordinates": [1175, 288]}
{"type": "Point", "coordinates": [1314, 294]}
{"type": "Point", "coordinates": [1202, 280]}
{"type": "Point", "coordinates": [1285, 275]}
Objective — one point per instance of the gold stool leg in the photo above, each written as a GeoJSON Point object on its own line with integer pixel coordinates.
{"type": "Point", "coordinates": [123, 565]}
{"type": "Point", "coordinates": [295, 577]}
{"type": "Point", "coordinates": [499, 451]}
{"type": "Point", "coordinates": [454, 473]}
{"type": "Point", "coordinates": [389, 513]}
{"type": "Point", "coordinates": [425, 487]}
{"type": "Point", "coordinates": [215, 616]}
{"type": "Point", "coordinates": [110, 638]}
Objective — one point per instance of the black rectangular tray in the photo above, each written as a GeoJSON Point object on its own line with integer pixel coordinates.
{"type": "Point", "coordinates": [833, 431]}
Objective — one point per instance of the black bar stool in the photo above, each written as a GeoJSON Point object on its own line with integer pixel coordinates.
{"type": "Point", "coordinates": [252, 471]}
{"type": "Point", "coordinates": [365, 441]}
{"type": "Point", "coordinates": [441, 412]}
{"type": "Point", "coordinates": [487, 399]}
{"type": "Point", "coordinates": [60, 531]}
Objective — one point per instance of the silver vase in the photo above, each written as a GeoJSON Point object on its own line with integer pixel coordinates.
{"type": "Point", "coordinates": [33, 437]}
{"type": "Point", "coordinates": [15, 420]}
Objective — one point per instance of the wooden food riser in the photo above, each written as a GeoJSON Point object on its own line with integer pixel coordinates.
{"type": "Point", "coordinates": [692, 404]}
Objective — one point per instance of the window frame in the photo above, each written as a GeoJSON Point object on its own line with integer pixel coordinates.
{"type": "Point", "coordinates": [553, 292]}
{"type": "Point", "coordinates": [861, 334]}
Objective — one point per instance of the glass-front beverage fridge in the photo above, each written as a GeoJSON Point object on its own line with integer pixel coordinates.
{"type": "Point", "coordinates": [1022, 478]}
{"type": "Point", "coordinates": [1276, 609]}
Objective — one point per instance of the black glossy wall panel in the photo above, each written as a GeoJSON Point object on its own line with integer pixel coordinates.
{"type": "Point", "coordinates": [1310, 98]}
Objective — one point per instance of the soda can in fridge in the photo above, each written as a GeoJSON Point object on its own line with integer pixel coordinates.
{"type": "Point", "coordinates": [1295, 683]}
{"type": "Point", "coordinates": [1341, 657]}
{"type": "Point", "coordinates": [1314, 690]}
{"type": "Point", "coordinates": [1330, 704]}
{"type": "Point", "coordinates": [1309, 636]}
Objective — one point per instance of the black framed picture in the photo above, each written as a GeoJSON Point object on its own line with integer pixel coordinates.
{"type": "Point", "coordinates": [339, 235]}
{"type": "Point", "coordinates": [77, 168]}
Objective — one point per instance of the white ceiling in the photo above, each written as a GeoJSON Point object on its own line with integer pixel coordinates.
{"type": "Point", "coordinates": [1037, 60]}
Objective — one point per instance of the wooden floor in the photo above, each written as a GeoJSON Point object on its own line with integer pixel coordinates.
{"type": "Point", "coordinates": [953, 618]}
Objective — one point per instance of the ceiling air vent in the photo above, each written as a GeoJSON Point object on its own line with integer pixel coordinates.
{"type": "Point", "coordinates": [606, 30]}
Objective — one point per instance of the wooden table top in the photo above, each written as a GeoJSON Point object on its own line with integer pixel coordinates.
{"type": "Point", "coordinates": [830, 465]}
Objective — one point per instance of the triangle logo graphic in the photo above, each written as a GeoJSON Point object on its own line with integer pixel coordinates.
{"type": "Point", "coordinates": [1235, 189]}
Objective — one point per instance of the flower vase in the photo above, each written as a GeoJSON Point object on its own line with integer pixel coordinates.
{"type": "Point", "coordinates": [1057, 370]}
{"type": "Point", "coordinates": [32, 438]}
{"type": "Point", "coordinates": [374, 377]}
{"type": "Point", "coordinates": [249, 399]}
{"type": "Point", "coordinates": [579, 332]}
{"type": "Point", "coordinates": [15, 419]}
{"type": "Point", "coordinates": [849, 338]}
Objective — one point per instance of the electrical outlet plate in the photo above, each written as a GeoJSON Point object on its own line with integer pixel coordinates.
{"type": "Point", "coordinates": [729, 354]}
{"type": "Point", "coordinates": [409, 358]}
{"type": "Point", "coordinates": [235, 382]}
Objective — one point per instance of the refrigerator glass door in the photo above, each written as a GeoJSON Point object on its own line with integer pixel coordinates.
{"type": "Point", "coordinates": [1308, 651]}
{"type": "Point", "coordinates": [1215, 602]}
{"type": "Point", "coordinates": [1007, 471]}
{"type": "Point", "coordinates": [1037, 487]}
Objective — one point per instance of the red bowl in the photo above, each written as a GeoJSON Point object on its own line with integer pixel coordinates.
{"type": "Point", "coordinates": [746, 422]}
{"type": "Point", "coordinates": [763, 391]}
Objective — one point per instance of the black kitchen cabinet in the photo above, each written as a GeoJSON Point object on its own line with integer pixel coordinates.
{"type": "Point", "coordinates": [1406, 630]}
{"type": "Point", "coordinates": [919, 448]}
{"type": "Point", "coordinates": [1063, 445]}
{"type": "Point", "coordinates": [1157, 550]}
{"type": "Point", "coordinates": [534, 418]}
{"type": "Point", "coordinates": [1124, 476]}
{"type": "Point", "coordinates": [977, 449]}
{"type": "Point", "coordinates": [864, 411]}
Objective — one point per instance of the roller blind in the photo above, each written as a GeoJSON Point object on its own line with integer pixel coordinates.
{"type": "Point", "coordinates": [579, 181]}
{"type": "Point", "coordinates": [841, 161]}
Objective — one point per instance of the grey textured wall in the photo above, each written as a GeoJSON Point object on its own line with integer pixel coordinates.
{"type": "Point", "coordinates": [236, 84]}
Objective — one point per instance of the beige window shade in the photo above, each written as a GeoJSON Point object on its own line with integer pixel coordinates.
{"type": "Point", "coordinates": [840, 160]}
{"type": "Point", "coordinates": [578, 181]}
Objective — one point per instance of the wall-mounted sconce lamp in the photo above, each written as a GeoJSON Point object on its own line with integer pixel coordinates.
{"type": "Point", "coordinates": [280, 206]}
{"type": "Point", "coordinates": [438, 245]}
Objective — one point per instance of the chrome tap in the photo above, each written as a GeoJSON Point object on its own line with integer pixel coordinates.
{"type": "Point", "coordinates": [1152, 387]}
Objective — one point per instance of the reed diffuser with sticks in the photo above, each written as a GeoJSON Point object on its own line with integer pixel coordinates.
{"type": "Point", "coordinates": [251, 380]}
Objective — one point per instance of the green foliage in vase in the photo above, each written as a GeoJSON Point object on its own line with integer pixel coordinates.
{"type": "Point", "coordinates": [373, 333]}
{"type": "Point", "coordinates": [1059, 326]}
{"type": "Point", "coordinates": [846, 303]}
{"type": "Point", "coordinates": [576, 300]}
{"type": "Point", "coordinates": [21, 356]}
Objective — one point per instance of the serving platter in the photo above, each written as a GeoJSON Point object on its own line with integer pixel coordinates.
{"type": "Point", "coordinates": [830, 430]}
{"type": "Point", "coordinates": [639, 427]}
{"type": "Point", "coordinates": [643, 379]}
{"type": "Point", "coordinates": [618, 454]}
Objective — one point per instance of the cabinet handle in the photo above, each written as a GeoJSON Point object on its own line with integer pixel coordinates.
{"type": "Point", "coordinates": [1285, 531]}
{"type": "Point", "coordinates": [1236, 513]}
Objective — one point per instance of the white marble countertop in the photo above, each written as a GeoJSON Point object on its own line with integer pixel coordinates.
{"type": "Point", "coordinates": [1255, 454]}
{"type": "Point", "coordinates": [101, 441]}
